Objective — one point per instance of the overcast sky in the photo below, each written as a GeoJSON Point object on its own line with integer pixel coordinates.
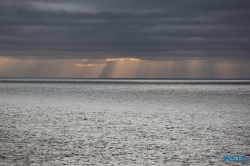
{"type": "Point", "coordinates": [143, 29]}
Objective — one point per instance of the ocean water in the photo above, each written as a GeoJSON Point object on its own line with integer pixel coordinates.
{"type": "Point", "coordinates": [123, 122]}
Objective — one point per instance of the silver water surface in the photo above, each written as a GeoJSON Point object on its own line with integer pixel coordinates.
{"type": "Point", "coordinates": [126, 124]}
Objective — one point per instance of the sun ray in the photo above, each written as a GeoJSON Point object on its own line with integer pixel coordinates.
{"type": "Point", "coordinates": [122, 68]}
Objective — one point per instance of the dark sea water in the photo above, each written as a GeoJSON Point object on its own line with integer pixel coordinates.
{"type": "Point", "coordinates": [123, 122]}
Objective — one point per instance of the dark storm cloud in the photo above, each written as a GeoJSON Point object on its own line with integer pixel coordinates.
{"type": "Point", "coordinates": [142, 29]}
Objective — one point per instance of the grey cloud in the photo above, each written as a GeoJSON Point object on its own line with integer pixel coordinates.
{"type": "Point", "coordinates": [126, 28]}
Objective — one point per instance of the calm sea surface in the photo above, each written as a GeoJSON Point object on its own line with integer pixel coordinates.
{"type": "Point", "coordinates": [125, 121]}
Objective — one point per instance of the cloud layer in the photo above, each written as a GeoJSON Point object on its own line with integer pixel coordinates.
{"type": "Point", "coordinates": [118, 29]}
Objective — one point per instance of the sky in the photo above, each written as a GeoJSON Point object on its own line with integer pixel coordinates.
{"type": "Point", "coordinates": [125, 39]}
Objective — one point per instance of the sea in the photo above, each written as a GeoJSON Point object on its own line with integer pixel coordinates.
{"type": "Point", "coordinates": [124, 121]}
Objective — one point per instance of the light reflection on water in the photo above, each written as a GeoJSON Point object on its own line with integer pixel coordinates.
{"type": "Point", "coordinates": [154, 124]}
